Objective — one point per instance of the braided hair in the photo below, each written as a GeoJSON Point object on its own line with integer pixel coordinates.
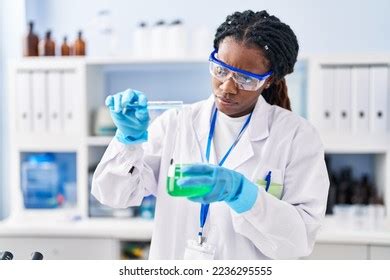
{"type": "Point", "coordinates": [275, 38]}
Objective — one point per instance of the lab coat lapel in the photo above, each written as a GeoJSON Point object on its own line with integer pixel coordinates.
{"type": "Point", "coordinates": [257, 130]}
{"type": "Point", "coordinates": [242, 152]}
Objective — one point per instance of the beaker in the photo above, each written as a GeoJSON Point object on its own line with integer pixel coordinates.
{"type": "Point", "coordinates": [185, 136]}
{"type": "Point", "coordinates": [174, 174]}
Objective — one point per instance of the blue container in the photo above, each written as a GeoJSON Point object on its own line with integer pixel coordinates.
{"type": "Point", "coordinates": [40, 181]}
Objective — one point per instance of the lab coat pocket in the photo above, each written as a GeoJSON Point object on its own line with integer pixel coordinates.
{"type": "Point", "coordinates": [275, 187]}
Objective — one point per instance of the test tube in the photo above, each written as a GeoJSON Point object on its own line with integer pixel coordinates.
{"type": "Point", "coordinates": [156, 108]}
{"type": "Point", "coordinates": [158, 104]}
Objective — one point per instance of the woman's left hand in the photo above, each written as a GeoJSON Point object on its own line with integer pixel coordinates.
{"type": "Point", "coordinates": [225, 184]}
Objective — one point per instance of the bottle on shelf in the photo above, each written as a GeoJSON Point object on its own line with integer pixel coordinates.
{"type": "Point", "coordinates": [199, 41]}
{"type": "Point", "coordinates": [374, 197]}
{"type": "Point", "coordinates": [176, 40]}
{"type": "Point", "coordinates": [103, 39]}
{"type": "Point", "coordinates": [65, 48]}
{"type": "Point", "coordinates": [141, 38]}
{"type": "Point", "coordinates": [361, 191]}
{"type": "Point", "coordinates": [79, 45]}
{"type": "Point", "coordinates": [331, 194]}
{"type": "Point", "coordinates": [48, 45]}
{"type": "Point", "coordinates": [158, 42]}
{"type": "Point", "coordinates": [344, 191]}
{"type": "Point", "coordinates": [31, 42]}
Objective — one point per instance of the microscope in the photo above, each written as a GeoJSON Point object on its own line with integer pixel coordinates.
{"type": "Point", "coordinates": [6, 255]}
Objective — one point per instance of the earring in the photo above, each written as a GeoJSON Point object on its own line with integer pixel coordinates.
{"type": "Point", "coordinates": [267, 85]}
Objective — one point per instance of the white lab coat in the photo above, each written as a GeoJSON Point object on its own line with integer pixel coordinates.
{"type": "Point", "coordinates": [276, 140]}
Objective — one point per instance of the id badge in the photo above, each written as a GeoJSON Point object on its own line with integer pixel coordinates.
{"type": "Point", "coordinates": [196, 251]}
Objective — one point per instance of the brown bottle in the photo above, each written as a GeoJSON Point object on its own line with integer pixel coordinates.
{"type": "Point", "coordinates": [49, 48]}
{"type": "Point", "coordinates": [65, 49]}
{"type": "Point", "coordinates": [32, 42]}
{"type": "Point", "coordinates": [79, 45]}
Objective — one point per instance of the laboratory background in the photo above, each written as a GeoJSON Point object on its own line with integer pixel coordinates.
{"type": "Point", "coordinates": [60, 59]}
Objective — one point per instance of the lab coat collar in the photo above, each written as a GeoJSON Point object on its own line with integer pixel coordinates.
{"type": "Point", "coordinates": [203, 118]}
{"type": "Point", "coordinates": [258, 129]}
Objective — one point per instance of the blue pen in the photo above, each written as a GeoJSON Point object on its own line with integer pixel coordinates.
{"type": "Point", "coordinates": [268, 180]}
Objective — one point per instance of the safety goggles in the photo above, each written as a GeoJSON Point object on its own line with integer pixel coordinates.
{"type": "Point", "coordinates": [245, 80]}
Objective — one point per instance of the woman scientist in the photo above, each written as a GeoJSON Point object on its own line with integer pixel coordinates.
{"type": "Point", "coordinates": [263, 165]}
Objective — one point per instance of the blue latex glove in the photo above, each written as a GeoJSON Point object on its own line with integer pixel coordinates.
{"type": "Point", "coordinates": [129, 112]}
{"type": "Point", "coordinates": [226, 185]}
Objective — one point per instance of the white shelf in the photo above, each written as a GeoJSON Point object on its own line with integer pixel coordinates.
{"type": "Point", "coordinates": [353, 58]}
{"type": "Point", "coordinates": [47, 142]}
{"type": "Point", "coordinates": [135, 60]}
{"type": "Point", "coordinates": [336, 142]}
{"type": "Point", "coordinates": [101, 61]}
{"type": "Point", "coordinates": [99, 140]}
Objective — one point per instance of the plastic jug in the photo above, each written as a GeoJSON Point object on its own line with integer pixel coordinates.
{"type": "Point", "coordinates": [40, 181]}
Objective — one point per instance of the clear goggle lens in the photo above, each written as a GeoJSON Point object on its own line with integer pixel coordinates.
{"type": "Point", "coordinates": [243, 81]}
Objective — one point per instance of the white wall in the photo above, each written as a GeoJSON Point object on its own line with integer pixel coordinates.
{"type": "Point", "coordinates": [12, 26]}
{"type": "Point", "coordinates": [321, 26]}
{"type": "Point", "coordinates": [1, 109]}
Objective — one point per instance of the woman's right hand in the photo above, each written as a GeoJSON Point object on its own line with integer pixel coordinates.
{"type": "Point", "coordinates": [129, 112]}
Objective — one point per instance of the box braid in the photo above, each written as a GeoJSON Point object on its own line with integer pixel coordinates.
{"type": "Point", "coordinates": [276, 40]}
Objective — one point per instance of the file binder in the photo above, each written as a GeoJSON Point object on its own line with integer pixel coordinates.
{"type": "Point", "coordinates": [23, 102]}
{"type": "Point", "coordinates": [360, 99]}
{"type": "Point", "coordinates": [327, 105]}
{"type": "Point", "coordinates": [55, 101]}
{"type": "Point", "coordinates": [72, 101]}
{"type": "Point", "coordinates": [343, 99]}
{"type": "Point", "coordinates": [379, 90]}
{"type": "Point", "coordinates": [39, 101]}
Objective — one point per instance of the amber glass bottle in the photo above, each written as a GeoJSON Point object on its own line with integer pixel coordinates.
{"type": "Point", "coordinates": [65, 49]}
{"type": "Point", "coordinates": [49, 48]}
{"type": "Point", "coordinates": [79, 45]}
{"type": "Point", "coordinates": [32, 42]}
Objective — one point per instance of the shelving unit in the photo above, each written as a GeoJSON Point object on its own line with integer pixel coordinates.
{"type": "Point", "coordinates": [52, 120]}
{"type": "Point", "coordinates": [350, 128]}
{"type": "Point", "coordinates": [40, 124]}
{"type": "Point", "coordinates": [359, 122]}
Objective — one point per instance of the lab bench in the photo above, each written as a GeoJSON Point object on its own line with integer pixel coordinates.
{"type": "Point", "coordinates": [91, 239]}
{"type": "Point", "coordinates": [350, 239]}
{"type": "Point", "coordinates": [105, 238]}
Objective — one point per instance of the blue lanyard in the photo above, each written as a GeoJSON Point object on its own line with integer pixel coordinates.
{"type": "Point", "coordinates": [205, 207]}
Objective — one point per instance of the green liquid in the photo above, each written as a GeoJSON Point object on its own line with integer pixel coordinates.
{"type": "Point", "coordinates": [188, 191]}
